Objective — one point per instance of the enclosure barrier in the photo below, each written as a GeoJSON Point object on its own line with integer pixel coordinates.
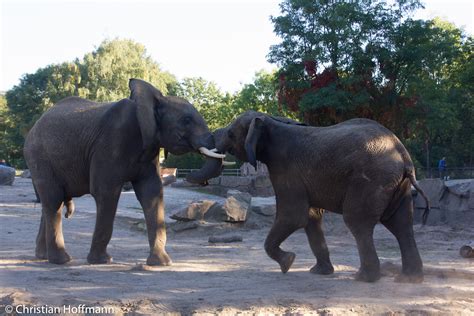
{"type": "Point", "coordinates": [452, 173]}
{"type": "Point", "coordinates": [181, 173]}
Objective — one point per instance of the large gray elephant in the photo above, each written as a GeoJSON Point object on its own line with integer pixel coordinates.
{"type": "Point", "coordinates": [357, 168]}
{"type": "Point", "coordinates": [79, 147]}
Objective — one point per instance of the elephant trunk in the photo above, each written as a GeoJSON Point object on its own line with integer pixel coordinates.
{"type": "Point", "coordinates": [211, 169]}
{"type": "Point", "coordinates": [213, 165]}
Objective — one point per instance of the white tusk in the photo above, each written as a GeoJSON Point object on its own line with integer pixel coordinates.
{"type": "Point", "coordinates": [211, 154]}
{"type": "Point", "coordinates": [228, 163]}
{"type": "Point", "coordinates": [214, 150]}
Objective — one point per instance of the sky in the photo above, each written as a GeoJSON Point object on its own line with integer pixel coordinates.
{"type": "Point", "coordinates": [225, 41]}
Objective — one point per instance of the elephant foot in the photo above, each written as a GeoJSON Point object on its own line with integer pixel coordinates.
{"type": "Point", "coordinates": [159, 260]}
{"type": "Point", "coordinates": [41, 253]}
{"type": "Point", "coordinates": [323, 269]}
{"type": "Point", "coordinates": [409, 278]}
{"type": "Point", "coordinates": [368, 275]}
{"type": "Point", "coordinates": [286, 261]}
{"type": "Point", "coordinates": [101, 258]}
{"type": "Point", "coordinates": [60, 257]}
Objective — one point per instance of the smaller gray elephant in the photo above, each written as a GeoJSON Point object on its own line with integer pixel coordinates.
{"type": "Point", "coordinates": [357, 168]}
{"type": "Point", "coordinates": [79, 147]}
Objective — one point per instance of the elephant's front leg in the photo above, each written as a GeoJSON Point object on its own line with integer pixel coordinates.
{"type": "Point", "coordinates": [149, 192]}
{"type": "Point", "coordinates": [106, 201]}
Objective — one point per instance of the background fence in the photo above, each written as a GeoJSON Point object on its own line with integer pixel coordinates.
{"type": "Point", "coordinates": [452, 173]}
{"type": "Point", "coordinates": [181, 173]}
{"type": "Point", "coordinates": [421, 173]}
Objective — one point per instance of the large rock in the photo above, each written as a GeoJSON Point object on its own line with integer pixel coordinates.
{"type": "Point", "coordinates": [248, 170]}
{"type": "Point", "coordinates": [26, 174]}
{"type": "Point", "coordinates": [241, 196]}
{"type": "Point", "coordinates": [7, 175]}
{"type": "Point", "coordinates": [265, 206]}
{"type": "Point", "coordinates": [235, 181]}
{"type": "Point", "coordinates": [216, 213]}
{"type": "Point", "coordinates": [194, 211]}
{"type": "Point", "coordinates": [452, 202]}
{"type": "Point", "coordinates": [236, 210]}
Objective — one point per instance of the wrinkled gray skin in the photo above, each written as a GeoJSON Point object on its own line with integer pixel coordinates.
{"type": "Point", "coordinates": [357, 168]}
{"type": "Point", "coordinates": [79, 147]}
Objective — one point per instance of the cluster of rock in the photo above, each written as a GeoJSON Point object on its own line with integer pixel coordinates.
{"type": "Point", "coordinates": [7, 175]}
{"type": "Point", "coordinates": [452, 202]}
{"type": "Point", "coordinates": [237, 208]}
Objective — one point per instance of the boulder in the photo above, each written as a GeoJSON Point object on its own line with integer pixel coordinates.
{"type": "Point", "coordinates": [235, 181]}
{"type": "Point", "coordinates": [241, 196]}
{"type": "Point", "coordinates": [182, 226]}
{"type": "Point", "coordinates": [194, 211]}
{"type": "Point", "coordinates": [452, 202]}
{"type": "Point", "coordinates": [225, 238]}
{"type": "Point", "coordinates": [26, 174]}
{"type": "Point", "coordinates": [168, 179]}
{"type": "Point", "coordinates": [127, 186]}
{"type": "Point", "coordinates": [265, 206]}
{"type": "Point", "coordinates": [216, 213]}
{"type": "Point", "coordinates": [235, 209]}
{"type": "Point", "coordinates": [7, 175]}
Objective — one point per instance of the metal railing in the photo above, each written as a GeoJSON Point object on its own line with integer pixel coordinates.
{"type": "Point", "coordinates": [181, 173]}
{"type": "Point", "coordinates": [451, 173]}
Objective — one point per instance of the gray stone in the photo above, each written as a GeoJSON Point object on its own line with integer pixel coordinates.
{"type": "Point", "coordinates": [226, 238]}
{"type": "Point", "coordinates": [241, 196]}
{"type": "Point", "coordinates": [168, 179]}
{"type": "Point", "coordinates": [195, 210]}
{"type": "Point", "coordinates": [26, 174]}
{"type": "Point", "coordinates": [434, 189]}
{"type": "Point", "coordinates": [127, 186]}
{"type": "Point", "coordinates": [248, 170]}
{"type": "Point", "coordinates": [236, 210]}
{"type": "Point", "coordinates": [216, 213]}
{"type": "Point", "coordinates": [215, 181]}
{"type": "Point", "coordinates": [452, 202]}
{"type": "Point", "coordinates": [7, 175]}
{"type": "Point", "coordinates": [262, 181]}
{"type": "Point", "coordinates": [264, 205]}
{"type": "Point", "coordinates": [235, 181]}
{"type": "Point", "coordinates": [182, 226]}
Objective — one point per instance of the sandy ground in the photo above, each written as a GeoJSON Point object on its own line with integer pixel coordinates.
{"type": "Point", "coordinates": [220, 278]}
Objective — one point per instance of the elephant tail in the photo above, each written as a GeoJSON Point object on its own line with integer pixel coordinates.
{"type": "Point", "coordinates": [409, 172]}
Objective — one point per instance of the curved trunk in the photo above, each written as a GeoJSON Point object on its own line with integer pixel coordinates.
{"type": "Point", "coordinates": [211, 169]}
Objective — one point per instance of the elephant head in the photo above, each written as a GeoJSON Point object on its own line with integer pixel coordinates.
{"type": "Point", "coordinates": [242, 137]}
{"type": "Point", "coordinates": [175, 125]}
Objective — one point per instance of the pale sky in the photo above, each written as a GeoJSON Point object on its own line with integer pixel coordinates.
{"type": "Point", "coordinates": [225, 41]}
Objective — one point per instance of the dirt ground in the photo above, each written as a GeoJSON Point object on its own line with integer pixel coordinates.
{"type": "Point", "coordinates": [221, 278]}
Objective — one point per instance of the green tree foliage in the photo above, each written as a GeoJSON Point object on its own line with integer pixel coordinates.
{"type": "Point", "coordinates": [101, 76]}
{"type": "Point", "coordinates": [210, 101]}
{"type": "Point", "coordinates": [106, 71]}
{"type": "Point", "coordinates": [344, 59]}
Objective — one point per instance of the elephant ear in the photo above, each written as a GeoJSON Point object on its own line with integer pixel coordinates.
{"type": "Point", "coordinates": [253, 135]}
{"type": "Point", "coordinates": [147, 98]}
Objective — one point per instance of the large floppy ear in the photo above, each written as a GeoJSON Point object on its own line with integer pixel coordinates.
{"type": "Point", "coordinates": [147, 98]}
{"type": "Point", "coordinates": [253, 135]}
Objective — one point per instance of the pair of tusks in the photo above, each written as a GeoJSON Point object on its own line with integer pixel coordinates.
{"type": "Point", "coordinates": [213, 154]}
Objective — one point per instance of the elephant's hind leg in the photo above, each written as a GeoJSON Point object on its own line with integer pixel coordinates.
{"type": "Point", "coordinates": [317, 242]}
{"type": "Point", "coordinates": [41, 251]}
{"type": "Point", "coordinates": [401, 226]}
{"type": "Point", "coordinates": [50, 235]}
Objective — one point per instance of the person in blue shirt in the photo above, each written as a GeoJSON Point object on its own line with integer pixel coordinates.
{"type": "Point", "coordinates": [442, 168]}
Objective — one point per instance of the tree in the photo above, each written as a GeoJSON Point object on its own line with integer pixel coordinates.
{"type": "Point", "coordinates": [105, 72]}
{"type": "Point", "coordinates": [260, 95]}
{"type": "Point", "coordinates": [102, 75]}
{"type": "Point", "coordinates": [209, 100]}
{"type": "Point", "coordinates": [345, 59]}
